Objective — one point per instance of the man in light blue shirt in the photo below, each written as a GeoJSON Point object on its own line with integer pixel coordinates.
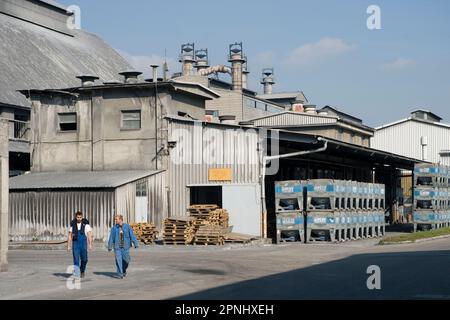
{"type": "Point", "coordinates": [121, 239]}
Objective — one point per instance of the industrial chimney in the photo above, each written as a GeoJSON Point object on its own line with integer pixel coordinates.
{"type": "Point", "coordinates": [268, 80]}
{"type": "Point", "coordinates": [245, 73]}
{"type": "Point", "coordinates": [201, 58]}
{"type": "Point", "coordinates": [236, 58]}
{"type": "Point", "coordinates": [87, 80]}
{"type": "Point", "coordinates": [187, 58]}
{"type": "Point", "coordinates": [131, 76]}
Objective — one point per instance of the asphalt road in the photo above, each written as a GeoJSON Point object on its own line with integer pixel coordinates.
{"type": "Point", "coordinates": [288, 271]}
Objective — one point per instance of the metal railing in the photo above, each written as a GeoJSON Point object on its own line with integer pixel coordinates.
{"type": "Point", "coordinates": [19, 130]}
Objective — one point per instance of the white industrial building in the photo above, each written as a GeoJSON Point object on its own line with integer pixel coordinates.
{"type": "Point", "coordinates": [421, 136]}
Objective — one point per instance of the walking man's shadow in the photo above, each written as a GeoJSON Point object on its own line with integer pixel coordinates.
{"type": "Point", "coordinates": [107, 274]}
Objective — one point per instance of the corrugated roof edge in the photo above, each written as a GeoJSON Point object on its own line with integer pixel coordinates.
{"type": "Point", "coordinates": [134, 175]}
{"type": "Point", "coordinates": [438, 124]}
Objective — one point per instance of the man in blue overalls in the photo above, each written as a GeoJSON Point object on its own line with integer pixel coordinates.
{"type": "Point", "coordinates": [80, 238]}
{"type": "Point", "coordinates": [121, 239]}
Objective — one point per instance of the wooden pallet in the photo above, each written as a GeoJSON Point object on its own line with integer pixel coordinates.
{"type": "Point", "coordinates": [145, 232]}
{"type": "Point", "coordinates": [178, 231]}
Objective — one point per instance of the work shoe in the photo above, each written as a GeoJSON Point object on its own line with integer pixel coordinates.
{"type": "Point", "coordinates": [124, 274]}
{"type": "Point", "coordinates": [82, 275]}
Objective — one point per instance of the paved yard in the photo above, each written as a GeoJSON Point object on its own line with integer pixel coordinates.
{"type": "Point", "coordinates": [287, 271]}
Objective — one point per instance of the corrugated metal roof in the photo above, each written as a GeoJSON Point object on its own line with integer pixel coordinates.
{"type": "Point", "coordinates": [77, 180]}
{"type": "Point", "coordinates": [288, 118]}
{"type": "Point", "coordinates": [284, 95]}
{"type": "Point", "coordinates": [35, 57]}
{"type": "Point", "coordinates": [433, 123]}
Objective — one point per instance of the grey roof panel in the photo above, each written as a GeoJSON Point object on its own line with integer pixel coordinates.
{"type": "Point", "coordinates": [284, 95]}
{"type": "Point", "coordinates": [35, 57]}
{"type": "Point", "coordinates": [77, 180]}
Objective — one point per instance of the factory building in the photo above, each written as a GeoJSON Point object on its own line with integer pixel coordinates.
{"type": "Point", "coordinates": [424, 134]}
{"type": "Point", "coordinates": [147, 160]}
{"type": "Point", "coordinates": [40, 50]}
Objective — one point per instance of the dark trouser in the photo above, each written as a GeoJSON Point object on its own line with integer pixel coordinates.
{"type": "Point", "coordinates": [80, 253]}
{"type": "Point", "coordinates": [122, 260]}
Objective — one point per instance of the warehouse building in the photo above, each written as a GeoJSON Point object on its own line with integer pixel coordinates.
{"type": "Point", "coordinates": [426, 137]}
{"type": "Point", "coordinates": [40, 50]}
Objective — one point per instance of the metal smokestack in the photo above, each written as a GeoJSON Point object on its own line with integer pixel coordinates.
{"type": "Point", "coordinates": [187, 58]}
{"type": "Point", "coordinates": [201, 58]}
{"type": "Point", "coordinates": [236, 58]}
{"type": "Point", "coordinates": [268, 80]}
{"type": "Point", "coordinates": [155, 72]}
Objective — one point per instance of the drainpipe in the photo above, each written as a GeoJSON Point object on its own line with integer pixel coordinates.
{"type": "Point", "coordinates": [266, 159]}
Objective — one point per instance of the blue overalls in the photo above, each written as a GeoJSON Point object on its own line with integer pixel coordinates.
{"type": "Point", "coordinates": [80, 252]}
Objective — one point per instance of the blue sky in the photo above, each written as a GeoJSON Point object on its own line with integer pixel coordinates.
{"type": "Point", "coordinates": [323, 48]}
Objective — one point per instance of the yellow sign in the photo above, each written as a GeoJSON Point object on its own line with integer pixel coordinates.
{"type": "Point", "coordinates": [223, 174]}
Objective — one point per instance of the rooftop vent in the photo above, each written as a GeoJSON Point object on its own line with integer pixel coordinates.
{"type": "Point", "coordinates": [87, 80]}
{"type": "Point", "coordinates": [268, 80]}
{"type": "Point", "coordinates": [227, 119]}
{"type": "Point", "coordinates": [131, 76]}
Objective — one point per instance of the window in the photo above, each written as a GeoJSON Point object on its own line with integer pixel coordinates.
{"type": "Point", "coordinates": [250, 103]}
{"type": "Point", "coordinates": [141, 189]}
{"type": "Point", "coordinates": [131, 119]}
{"type": "Point", "coordinates": [340, 134]}
{"type": "Point", "coordinates": [67, 121]}
{"type": "Point", "coordinates": [336, 205]}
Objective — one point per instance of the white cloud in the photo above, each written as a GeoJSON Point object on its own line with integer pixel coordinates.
{"type": "Point", "coordinates": [142, 63]}
{"type": "Point", "coordinates": [399, 64]}
{"type": "Point", "coordinates": [312, 53]}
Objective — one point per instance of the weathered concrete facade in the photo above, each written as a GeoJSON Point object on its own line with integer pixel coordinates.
{"type": "Point", "coordinates": [100, 140]}
{"type": "Point", "coordinates": [4, 188]}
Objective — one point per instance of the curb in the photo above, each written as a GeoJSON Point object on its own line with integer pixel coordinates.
{"type": "Point", "coordinates": [415, 241]}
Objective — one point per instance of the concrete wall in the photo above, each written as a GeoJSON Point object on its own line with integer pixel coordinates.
{"type": "Point", "coordinates": [105, 145]}
{"type": "Point", "coordinates": [4, 190]}
{"type": "Point", "coordinates": [229, 103]}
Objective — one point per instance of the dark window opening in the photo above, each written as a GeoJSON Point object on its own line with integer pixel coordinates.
{"type": "Point", "coordinates": [206, 195]}
{"type": "Point", "coordinates": [67, 121]}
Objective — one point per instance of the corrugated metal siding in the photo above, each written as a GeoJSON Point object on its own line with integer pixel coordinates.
{"type": "Point", "coordinates": [46, 215]}
{"type": "Point", "coordinates": [293, 119]}
{"type": "Point", "coordinates": [238, 151]}
{"type": "Point", "coordinates": [157, 199]}
{"type": "Point", "coordinates": [404, 139]}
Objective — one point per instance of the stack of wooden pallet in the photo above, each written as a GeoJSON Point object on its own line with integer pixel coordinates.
{"type": "Point", "coordinates": [209, 235]}
{"type": "Point", "coordinates": [201, 213]}
{"type": "Point", "coordinates": [218, 217]}
{"type": "Point", "coordinates": [178, 231]}
{"type": "Point", "coordinates": [145, 232]}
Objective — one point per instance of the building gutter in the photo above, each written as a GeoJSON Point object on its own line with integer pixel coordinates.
{"type": "Point", "coordinates": [265, 160]}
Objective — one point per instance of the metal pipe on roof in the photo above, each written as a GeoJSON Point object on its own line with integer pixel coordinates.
{"type": "Point", "coordinates": [236, 58]}
{"type": "Point", "coordinates": [215, 69]}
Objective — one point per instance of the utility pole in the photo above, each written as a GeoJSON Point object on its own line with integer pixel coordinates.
{"type": "Point", "coordinates": [4, 193]}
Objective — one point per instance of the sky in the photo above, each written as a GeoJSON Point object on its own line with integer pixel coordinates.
{"type": "Point", "coordinates": [323, 48]}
